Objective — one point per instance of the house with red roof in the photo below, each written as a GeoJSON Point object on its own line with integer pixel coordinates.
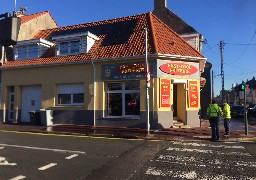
{"type": "Point", "coordinates": [96, 74]}
{"type": "Point", "coordinates": [30, 24]}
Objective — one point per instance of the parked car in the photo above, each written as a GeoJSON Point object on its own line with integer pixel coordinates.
{"type": "Point", "coordinates": [251, 108]}
{"type": "Point", "coordinates": [237, 111]}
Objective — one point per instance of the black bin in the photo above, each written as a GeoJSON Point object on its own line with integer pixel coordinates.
{"type": "Point", "coordinates": [35, 117]}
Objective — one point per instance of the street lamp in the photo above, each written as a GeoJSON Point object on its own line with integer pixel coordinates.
{"type": "Point", "coordinates": [147, 79]}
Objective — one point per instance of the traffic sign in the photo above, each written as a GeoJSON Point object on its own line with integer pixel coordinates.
{"type": "Point", "coordinates": [247, 87]}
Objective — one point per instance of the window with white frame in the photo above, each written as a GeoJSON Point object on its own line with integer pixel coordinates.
{"type": "Point", "coordinates": [123, 99]}
{"type": "Point", "coordinates": [71, 47]}
{"type": "Point", "coordinates": [70, 94]}
{"type": "Point", "coordinates": [27, 52]}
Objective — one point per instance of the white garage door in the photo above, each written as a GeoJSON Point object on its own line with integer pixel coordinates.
{"type": "Point", "coordinates": [31, 101]}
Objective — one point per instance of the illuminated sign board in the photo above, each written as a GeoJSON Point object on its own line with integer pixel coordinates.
{"type": "Point", "coordinates": [135, 70]}
{"type": "Point", "coordinates": [178, 69]}
{"type": "Point", "coordinates": [165, 87]}
{"type": "Point", "coordinates": [193, 94]}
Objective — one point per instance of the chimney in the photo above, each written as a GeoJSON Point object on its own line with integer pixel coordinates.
{"type": "Point", "coordinates": [160, 4]}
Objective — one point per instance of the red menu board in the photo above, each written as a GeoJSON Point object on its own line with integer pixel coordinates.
{"type": "Point", "coordinates": [165, 88]}
{"type": "Point", "coordinates": [193, 94]}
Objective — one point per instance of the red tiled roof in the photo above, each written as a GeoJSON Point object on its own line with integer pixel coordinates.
{"type": "Point", "coordinates": [30, 17]}
{"type": "Point", "coordinates": [121, 37]}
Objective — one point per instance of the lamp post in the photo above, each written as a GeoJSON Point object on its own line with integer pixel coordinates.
{"type": "Point", "coordinates": [147, 79]}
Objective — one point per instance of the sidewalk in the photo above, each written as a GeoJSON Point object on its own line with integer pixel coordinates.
{"type": "Point", "coordinates": [202, 133]}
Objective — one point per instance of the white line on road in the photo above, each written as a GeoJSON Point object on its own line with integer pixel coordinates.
{"type": "Point", "coordinates": [209, 145]}
{"type": "Point", "coordinates": [18, 177]}
{"type": "Point", "coordinates": [72, 156]}
{"type": "Point", "coordinates": [47, 166]}
{"type": "Point", "coordinates": [44, 149]}
{"type": "Point", "coordinates": [3, 162]}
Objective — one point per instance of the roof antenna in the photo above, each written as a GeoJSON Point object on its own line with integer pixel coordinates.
{"type": "Point", "coordinates": [14, 5]}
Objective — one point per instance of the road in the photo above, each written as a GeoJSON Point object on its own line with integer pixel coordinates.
{"type": "Point", "coordinates": [41, 156]}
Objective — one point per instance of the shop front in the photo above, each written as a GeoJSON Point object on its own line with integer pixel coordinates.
{"type": "Point", "coordinates": [173, 94]}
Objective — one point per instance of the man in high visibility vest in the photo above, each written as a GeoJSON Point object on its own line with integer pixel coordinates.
{"type": "Point", "coordinates": [226, 117]}
{"type": "Point", "coordinates": [214, 112]}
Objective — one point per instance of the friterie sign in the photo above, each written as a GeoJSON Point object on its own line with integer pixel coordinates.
{"type": "Point", "coordinates": [178, 69]}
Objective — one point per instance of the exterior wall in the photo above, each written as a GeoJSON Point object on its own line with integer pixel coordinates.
{"type": "Point", "coordinates": [48, 78]}
{"type": "Point", "coordinates": [29, 28]}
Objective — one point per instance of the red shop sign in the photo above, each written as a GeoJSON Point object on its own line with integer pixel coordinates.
{"type": "Point", "coordinates": [193, 94]}
{"type": "Point", "coordinates": [178, 69]}
{"type": "Point", "coordinates": [165, 85]}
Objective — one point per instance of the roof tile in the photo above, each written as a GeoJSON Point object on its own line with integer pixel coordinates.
{"type": "Point", "coordinates": [161, 39]}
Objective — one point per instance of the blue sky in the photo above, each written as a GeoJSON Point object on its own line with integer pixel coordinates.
{"type": "Point", "coordinates": [231, 21]}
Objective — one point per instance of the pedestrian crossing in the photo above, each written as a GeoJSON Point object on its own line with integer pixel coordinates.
{"type": "Point", "coordinates": [201, 161]}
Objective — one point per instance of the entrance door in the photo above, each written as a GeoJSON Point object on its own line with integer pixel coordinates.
{"type": "Point", "coordinates": [31, 101]}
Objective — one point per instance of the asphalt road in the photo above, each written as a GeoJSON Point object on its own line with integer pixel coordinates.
{"type": "Point", "coordinates": [35, 156]}
{"type": "Point", "coordinates": [41, 156]}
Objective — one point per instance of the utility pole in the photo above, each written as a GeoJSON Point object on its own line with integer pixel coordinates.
{"type": "Point", "coordinates": [222, 71]}
{"type": "Point", "coordinates": [212, 85]}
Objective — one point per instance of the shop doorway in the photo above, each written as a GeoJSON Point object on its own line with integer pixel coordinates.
{"type": "Point", "coordinates": [179, 101]}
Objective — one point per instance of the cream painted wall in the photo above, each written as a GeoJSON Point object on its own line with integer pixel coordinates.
{"type": "Point", "coordinates": [49, 78]}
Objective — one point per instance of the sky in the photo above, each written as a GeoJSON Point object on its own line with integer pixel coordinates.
{"type": "Point", "coordinates": [230, 21]}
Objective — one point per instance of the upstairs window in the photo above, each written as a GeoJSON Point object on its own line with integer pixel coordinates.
{"type": "Point", "coordinates": [71, 47]}
{"type": "Point", "coordinates": [27, 52]}
{"type": "Point", "coordinates": [31, 49]}
{"type": "Point", "coordinates": [73, 43]}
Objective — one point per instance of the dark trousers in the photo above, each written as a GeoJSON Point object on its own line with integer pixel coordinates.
{"type": "Point", "coordinates": [215, 125]}
{"type": "Point", "coordinates": [227, 126]}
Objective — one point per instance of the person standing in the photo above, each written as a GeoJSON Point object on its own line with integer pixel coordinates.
{"type": "Point", "coordinates": [226, 116]}
{"type": "Point", "coordinates": [214, 112]}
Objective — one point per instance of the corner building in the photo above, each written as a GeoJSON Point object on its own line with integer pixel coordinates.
{"type": "Point", "coordinates": [95, 74]}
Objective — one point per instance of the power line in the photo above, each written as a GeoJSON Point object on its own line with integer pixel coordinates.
{"type": "Point", "coordinates": [244, 49]}
{"type": "Point", "coordinates": [237, 44]}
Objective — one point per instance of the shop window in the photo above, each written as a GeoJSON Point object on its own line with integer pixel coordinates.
{"type": "Point", "coordinates": [70, 94]}
{"type": "Point", "coordinates": [123, 99]}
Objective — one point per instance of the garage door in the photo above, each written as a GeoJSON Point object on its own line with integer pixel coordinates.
{"type": "Point", "coordinates": [31, 101]}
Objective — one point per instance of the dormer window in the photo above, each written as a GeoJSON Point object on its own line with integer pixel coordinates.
{"type": "Point", "coordinates": [31, 49]}
{"type": "Point", "coordinates": [77, 43]}
{"type": "Point", "coordinates": [27, 52]}
{"type": "Point", "coordinates": [72, 47]}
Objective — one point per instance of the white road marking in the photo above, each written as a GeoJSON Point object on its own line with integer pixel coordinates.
{"type": "Point", "coordinates": [44, 149]}
{"type": "Point", "coordinates": [18, 177]}
{"type": "Point", "coordinates": [72, 156]}
{"type": "Point", "coordinates": [207, 151]}
{"type": "Point", "coordinates": [209, 145]}
{"type": "Point", "coordinates": [1, 147]}
{"type": "Point", "coordinates": [3, 162]}
{"type": "Point", "coordinates": [47, 166]}
{"type": "Point", "coordinates": [190, 174]}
